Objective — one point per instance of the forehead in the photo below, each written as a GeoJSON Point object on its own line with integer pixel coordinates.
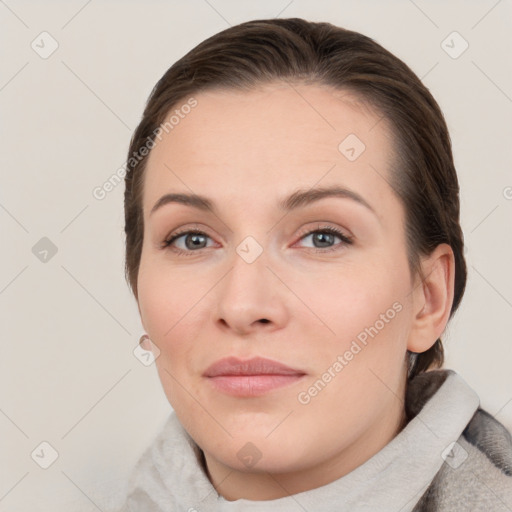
{"type": "Point", "coordinates": [264, 141]}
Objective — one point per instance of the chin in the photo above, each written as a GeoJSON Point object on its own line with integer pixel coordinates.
{"type": "Point", "coordinates": [254, 453]}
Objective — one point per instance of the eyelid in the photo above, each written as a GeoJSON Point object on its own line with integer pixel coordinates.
{"type": "Point", "coordinates": [194, 227]}
{"type": "Point", "coordinates": [320, 226]}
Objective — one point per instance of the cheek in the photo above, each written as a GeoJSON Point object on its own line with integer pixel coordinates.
{"type": "Point", "coordinates": [166, 299]}
{"type": "Point", "coordinates": [358, 368]}
{"type": "Point", "coordinates": [166, 307]}
{"type": "Point", "coordinates": [356, 297]}
{"type": "Point", "coordinates": [166, 303]}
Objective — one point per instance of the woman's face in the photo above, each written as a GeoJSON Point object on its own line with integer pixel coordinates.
{"type": "Point", "coordinates": [267, 277]}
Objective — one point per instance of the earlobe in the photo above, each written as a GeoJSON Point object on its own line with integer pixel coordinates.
{"type": "Point", "coordinates": [145, 342]}
{"type": "Point", "coordinates": [433, 298]}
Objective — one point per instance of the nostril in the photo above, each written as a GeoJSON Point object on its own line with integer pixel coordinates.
{"type": "Point", "coordinates": [264, 320]}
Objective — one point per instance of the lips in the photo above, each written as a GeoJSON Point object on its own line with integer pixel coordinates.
{"type": "Point", "coordinates": [252, 377]}
{"type": "Point", "coordinates": [254, 366]}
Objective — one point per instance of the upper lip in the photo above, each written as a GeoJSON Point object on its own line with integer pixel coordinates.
{"type": "Point", "coordinates": [254, 366]}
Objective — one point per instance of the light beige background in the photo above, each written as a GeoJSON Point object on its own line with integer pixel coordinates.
{"type": "Point", "coordinates": [69, 325]}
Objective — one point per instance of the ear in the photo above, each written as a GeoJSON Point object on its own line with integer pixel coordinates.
{"type": "Point", "coordinates": [432, 298]}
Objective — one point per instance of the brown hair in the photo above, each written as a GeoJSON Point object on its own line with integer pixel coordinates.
{"type": "Point", "coordinates": [264, 51]}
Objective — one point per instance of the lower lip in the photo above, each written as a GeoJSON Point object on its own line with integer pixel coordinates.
{"type": "Point", "coordinates": [252, 385]}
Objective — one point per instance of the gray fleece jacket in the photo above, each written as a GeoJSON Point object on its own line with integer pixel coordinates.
{"type": "Point", "coordinates": [452, 456]}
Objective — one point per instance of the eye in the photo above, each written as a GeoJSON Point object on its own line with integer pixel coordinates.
{"type": "Point", "coordinates": [192, 242]}
{"type": "Point", "coordinates": [323, 238]}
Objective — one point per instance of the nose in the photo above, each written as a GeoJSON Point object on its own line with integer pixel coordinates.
{"type": "Point", "coordinates": [251, 298]}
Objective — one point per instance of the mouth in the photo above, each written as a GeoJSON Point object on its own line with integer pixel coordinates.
{"type": "Point", "coordinates": [254, 377]}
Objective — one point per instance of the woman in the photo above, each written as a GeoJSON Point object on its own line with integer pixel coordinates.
{"type": "Point", "coordinates": [294, 247]}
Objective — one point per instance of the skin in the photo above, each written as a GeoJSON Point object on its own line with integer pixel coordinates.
{"type": "Point", "coordinates": [246, 151]}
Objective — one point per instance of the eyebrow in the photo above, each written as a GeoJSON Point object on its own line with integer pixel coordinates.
{"type": "Point", "coordinates": [297, 199]}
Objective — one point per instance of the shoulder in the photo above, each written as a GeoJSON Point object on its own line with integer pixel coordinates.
{"type": "Point", "coordinates": [477, 471]}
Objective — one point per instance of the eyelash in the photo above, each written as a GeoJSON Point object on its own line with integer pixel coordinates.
{"type": "Point", "coordinates": [346, 240]}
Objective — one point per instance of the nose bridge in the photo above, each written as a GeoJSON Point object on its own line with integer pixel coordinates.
{"type": "Point", "coordinates": [247, 281]}
{"type": "Point", "coordinates": [250, 291]}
